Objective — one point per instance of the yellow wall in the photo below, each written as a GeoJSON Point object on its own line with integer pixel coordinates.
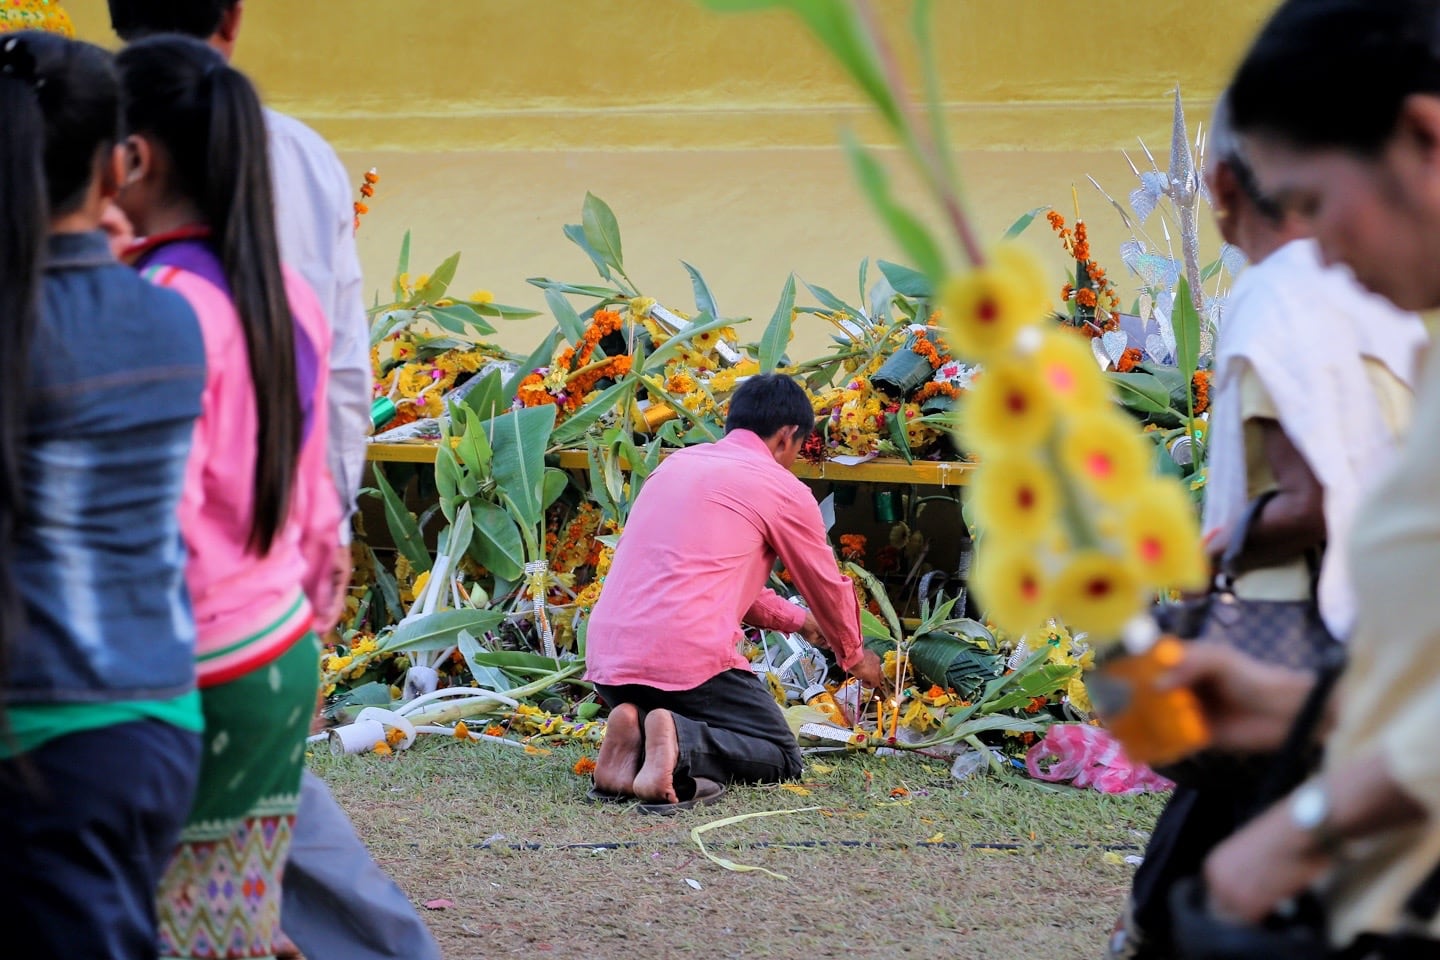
{"type": "Point", "coordinates": [711, 136]}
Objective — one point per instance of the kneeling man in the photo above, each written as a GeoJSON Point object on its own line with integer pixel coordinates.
{"type": "Point", "coordinates": [663, 641]}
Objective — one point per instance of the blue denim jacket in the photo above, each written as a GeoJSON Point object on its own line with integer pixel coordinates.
{"type": "Point", "coordinates": [116, 373]}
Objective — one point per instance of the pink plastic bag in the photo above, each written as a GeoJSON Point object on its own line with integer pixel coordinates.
{"type": "Point", "coordinates": [1088, 756]}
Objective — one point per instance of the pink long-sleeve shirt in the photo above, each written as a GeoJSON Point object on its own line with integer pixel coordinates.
{"type": "Point", "coordinates": [692, 564]}
{"type": "Point", "coordinates": [249, 609]}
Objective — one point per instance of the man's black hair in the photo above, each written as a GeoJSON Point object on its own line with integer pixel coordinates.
{"type": "Point", "coordinates": [137, 19]}
{"type": "Point", "coordinates": [766, 404]}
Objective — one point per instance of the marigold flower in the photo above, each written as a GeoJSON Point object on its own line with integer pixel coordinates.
{"type": "Point", "coordinates": [1016, 496]}
{"type": "Point", "coordinates": [1098, 593]}
{"type": "Point", "coordinates": [1086, 298]}
{"type": "Point", "coordinates": [1104, 450]}
{"type": "Point", "coordinates": [494, 730]}
{"type": "Point", "coordinates": [381, 749]}
{"type": "Point", "coordinates": [852, 546]}
{"type": "Point", "coordinates": [1012, 587]}
{"type": "Point", "coordinates": [1201, 386]}
{"type": "Point", "coordinates": [1006, 410]}
{"type": "Point", "coordinates": [584, 767]}
{"type": "Point", "coordinates": [1129, 360]}
{"type": "Point", "coordinates": [1163, 538]}
{"type": "Point", "coordinates": [462, 732]}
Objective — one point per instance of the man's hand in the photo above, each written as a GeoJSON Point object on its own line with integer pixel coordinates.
{"type": "Point", "coordinates": [810, 632]}
{"type": "Point", "coordinates": [1265, 864]}
{"type": "Point", "coordinates": [869, 671]}
{"type": "Point", "coordinates": [1250, 706]}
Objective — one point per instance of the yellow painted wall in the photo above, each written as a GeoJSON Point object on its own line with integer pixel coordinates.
{"type": "Point", "coordinates": [711, 136]}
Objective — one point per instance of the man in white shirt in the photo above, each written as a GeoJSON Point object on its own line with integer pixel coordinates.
{"type": "Point", "coordinates": [329, 869]}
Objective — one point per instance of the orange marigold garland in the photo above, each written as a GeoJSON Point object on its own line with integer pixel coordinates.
{"type": "Point", "coordinates": [367, 191]}
{"type": "Point", "coordinates": [1129, 360]}
{"type": "Point", "coordinates": [1092, 292]}
{"type": "Point", "coordinates": [572, 376]}
{"type": "Point", "coordinates": [1201, 386]}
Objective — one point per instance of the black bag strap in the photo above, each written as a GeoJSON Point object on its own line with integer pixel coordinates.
{"type": "Point", "coordinates": [1235, 549]}
{"type": "Point", "coordinates": [1295, 759]}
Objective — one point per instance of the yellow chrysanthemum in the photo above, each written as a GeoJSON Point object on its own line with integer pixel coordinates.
{"type": "Point", "coordinates": [1068, 369]}
{"type": "Point", "coordinates": [482, 296]}
{"type": "Point", "coordinates": [1016, 496]}
{"type": "Point", "coordinates": [1163, 538]}
{"type": "Point", "coordinates": [1098, 593]}
{"type": "Point", "coordinates": [1105, 451]}
{"type": "Point", "coordinates": [1006, 410]}
{"type": "Point", "coordinates": [1012, 587]}
{"type": "Point", "coordinates": [986, 308]}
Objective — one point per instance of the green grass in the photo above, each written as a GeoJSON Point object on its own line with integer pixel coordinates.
{"type": "Point", "coordinates": [982, 868]}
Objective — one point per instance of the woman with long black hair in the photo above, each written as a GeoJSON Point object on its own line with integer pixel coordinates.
{"type": "Point", "coordinates": [260, 515]}
{"type": "Point", "coordinates": [100, 383]}
{"type": "Point", "coordinates": [1338, 107]}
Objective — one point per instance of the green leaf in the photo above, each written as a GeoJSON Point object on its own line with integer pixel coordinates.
{"type": "Point", "coordinates": [833, 303]}
{"type": "Point", "coordinates": [447, 480]}
{"type": "Point", "coordinates": [497, 545]}
{"type": "Point", "coordinates": [1186, 321]}
{"type": "Point", "coordinates": [704, 299]}
{"type": "Point", "coordinates": [490, 678]}
{"type": "Point", "coordinates": [1141, 392]}
{"type": "Point", "coordinates": [440, 630]}
{"type": "Point", "coordinates": [461, 319]}
{"type": "Point", "coordinates": [924, 34]}
{"type": "Point", "coordinates": [1023, 224]}
{"type": "Point", "coordinates": [388, 323]}
{"type": "Point", "coordinates": [485, 400]}
{"type": "Point", "coordinates": [389, 588]}
{"type": "Point", "coordinates": [520, 439]}
{"type": "Point", "coordinates": [440, 280]}
{"type": "Point", "coordinates": [701, 324]}
{"type": "Point", "coordinates": [573, 429]}
{"type": "Point", "coordinates": [556, 480]}
{"type": "Point", "coordinates": [403, 528]}
{"type": "Point", "coordinates": [501, 310]}
{"type": "Point", "coordinates": [598, 489]}
{"type": "Point", "coordinates": [899, 437]}
{"type": "Point", "coordinates": [460, 534]}
{"type": "Point", "coordinates": [570, 323]}
{"type": "Point", "coordinates": [777, 334]}
{"type": "Point", "coordinates": [539, 358]}
{"type": "Point", "coordinates": [403, 266]}
{"type": "Point", "coordinates": [578, 289]}
{"type": "Point", "coordinates": [905, 281]}
{"type": "Point", "coordinates": [576, 235]}
{"type": "Point", "coordinates": [871, 626]}
{"type": "Point", "coordinates": [602, 231]}
{"type": "Point", "coordinates": [520, 662]}
{"type": "Point", "coordinates": [913, 236]}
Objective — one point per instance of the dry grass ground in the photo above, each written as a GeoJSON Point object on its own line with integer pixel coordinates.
{"type": "Point", "coordinates": [986, 868]}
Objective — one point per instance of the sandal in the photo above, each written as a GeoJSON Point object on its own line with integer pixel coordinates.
{"type": "Point", "coordinates": [706, 793]}
{"type": "Point", "coordinates": [596, 795]}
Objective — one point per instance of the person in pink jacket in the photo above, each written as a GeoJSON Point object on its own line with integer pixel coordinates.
{"type": "Point", "coordinates": [259, 512]}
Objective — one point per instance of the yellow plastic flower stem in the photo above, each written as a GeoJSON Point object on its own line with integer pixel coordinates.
{"type": "Point", "coordinates": [1081, 530]}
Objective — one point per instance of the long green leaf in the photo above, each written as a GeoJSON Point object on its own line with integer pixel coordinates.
{"type": "Point", "coordinates": [578, 425]}
{"type": "Point", "coordinates": [440, 630]}
{"type": "Point", "coordinates": [520, 439]}
{"type": "Point", "coordinates": [1141, 392]}
{"type": "Point", "coordinates": [501, 310]}
{"type": "Point", "coordinates": [497, 544]}
{"type": "Point", "coordinates": [575, 233]}
{"type": "Point", "coordinates": [537, 359]}
{"type": "Point", "coordinates": [777, 334]}
{"type": "Point", "coordinates": [403, 266]}
{"type": "Point", "coordinates": [556, 481]}
{"type": "Point", "coordinates": [905, 281]}
{"type": "Point", "coordinates": [388, 323]}
{"type": "Point", "coordinates": [704, 299]}
{"type": "Point", "coordinates": [461, 319]}
{"type": "Point", "coordinates": [447, 480]}
{"type": "Point", "coordinates": [578, 289]}
{"type": "Point", "coordinates": [490, 678]}
{"type": "Point", "coordinates": [914, 237]}
{"type": "Point", "coordinates": [872, 628]}
{"type": "Point", "coordinates": [1186, 321]}
{"type": "Point", "coordinates": [403, 528]}
{"type": "Point", "coordinates": [602, 231]}
{"type": "Point", "coordinates": [440, 280]}
{"type": "Point", "coordinates": [570, 323]}
{"type": "Point", "coordinates": [701, 324]}
{"type": "Point", "coordinates": [485, 400]}
{"type": "Point", "coordinates": [1023, 224]}
{"type": "Point", "coordinates": [899, 436]}
{"type": "Point", "coordinates": [833, 303]}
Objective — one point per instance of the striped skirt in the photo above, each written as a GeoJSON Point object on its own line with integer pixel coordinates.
{"type": "Point", "coordinates": [220, 898]}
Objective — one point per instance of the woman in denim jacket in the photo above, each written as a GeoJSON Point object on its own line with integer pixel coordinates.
{"type": "Point", "coordinates": [100, 384]}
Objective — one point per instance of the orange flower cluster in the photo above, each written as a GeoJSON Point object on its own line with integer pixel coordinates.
{"type": "Point", "coordinates": [852, 546]}
{"type": "Point", "coordinates": [581, 375]}
{"type": "Point", "coordinates": [1201, 386]}
{"type": "Point", "coordinates": [367, 190]}
{"type": "Point", "coordinates": [1129, 360]}
{"type": "Point", "coordinates": [584, 767]}
{"type": "Point", "coordinates": [1101, 292]}
{"type": "Point", "coordinates": [936, 352]}
{"type": "Point", "coordinates": [936, 388]}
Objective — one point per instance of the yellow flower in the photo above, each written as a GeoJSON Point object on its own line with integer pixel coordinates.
{"type": "Point", "coordinates": [381, 749]}
{"type": "Point", "coordinates": [365, 646]}
{"type": "Point", "coordinates": [1163, 538]}
{"type": "Point", "coordinates": [1098, 593]}
{"type": "Point", "coordinates": [395, 736]}
{"type": "Point", "coordinates": [1105, 451]}
{"type": "Point", "coordinates": [1006, 410]}
{"type": "Point", "coordinates": [462, 732]}
{"type": "Point", "coordinates": [986, 308]}
{"type": "Point", "coordinates": [1011, 586]}
{"type": "Point", "coordinates": [419, 586]}
{"type": "Point", "coordinates": [1015, 495]}
{"type": "Point", "coordinates": [482, 296]}
{"type": "Point", "coordinates": [1069, 370]}
{"type": "Point", "coordinates": [1079, 695]}
{"type": "Point", "coordinates": [1028, 272]}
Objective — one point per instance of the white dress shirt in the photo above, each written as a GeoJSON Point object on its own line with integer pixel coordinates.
{"type": "Point", "coordinates": [314, 217]}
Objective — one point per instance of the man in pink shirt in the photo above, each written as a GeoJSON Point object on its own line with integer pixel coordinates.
{"type": "Point", "coordinates": [663, 642]}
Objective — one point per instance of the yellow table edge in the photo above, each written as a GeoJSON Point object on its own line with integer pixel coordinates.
{"type": "Point", "coordinates": [881, 470]}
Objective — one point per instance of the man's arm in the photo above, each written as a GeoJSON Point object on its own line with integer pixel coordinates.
{"type": "Point", "coordinates": [770, 611]}
{"type": "Point", "coordinates": [797, 534]}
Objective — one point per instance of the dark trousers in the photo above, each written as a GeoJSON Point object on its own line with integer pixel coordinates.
{"type": "Point", "coordinates": [89, 822]}
{"type": "Point", "coordinates": [730, 728]}
{"type": "Point", "coordinates": [337, 904]}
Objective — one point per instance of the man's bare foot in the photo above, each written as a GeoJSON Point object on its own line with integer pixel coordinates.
{"type": "Point", "coordinates": [621, 752]}
{"type": "Point", "coordinates": [656, 780]}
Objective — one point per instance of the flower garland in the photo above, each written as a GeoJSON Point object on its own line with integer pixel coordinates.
{"type": "Point", "coordinates": [367, 191]}
{"type": "Point", "coordinates": [571, 376]}
{"type": "Point", "coordinates": [1100, 295]}
{"type": "Point", "coordinates": [936, 352]}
